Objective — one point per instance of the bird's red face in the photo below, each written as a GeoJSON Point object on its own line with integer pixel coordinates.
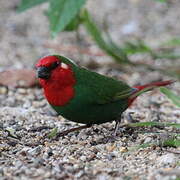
{"type": "Point", "coordinates": [50, 66]}
{"type": "Point", "coordinates": [57, 80]}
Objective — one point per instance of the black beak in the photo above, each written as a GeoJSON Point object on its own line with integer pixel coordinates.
{"type": "Point", "coordinates": [43, 72]}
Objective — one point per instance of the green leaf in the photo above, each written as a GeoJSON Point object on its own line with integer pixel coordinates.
{"type": "Point", "coordinates": [145, 145]}
{"type": "Point", "coordinates": [140, 146]}
{"type": "Point", "coordinates": [172, 42]}
{"type": "Point", "coordinates": [62, 12]}
{"type": "Point", "coordinates": [166, 55]}
{"type": "Point", "coordinates": [53, 133]}
{"type": "Point", "coordinates": [172, 142]}
{"type": "Point", "coordinates": [105, 43]}
{"type": "Point", "coordinates": [173, 97]}
{"type": "Point", "coordinates": [162, 1]}
{"type": "Point", "coordinates": [26, 4]}
{"type": "Point", "coordinates": [73, 25]}
{"type": "Point", "coordinates": [12, 132]}
{"type": "Point", "coordinates": [138, 46]}
{"type": "Point", "coordinates": [143, 124]}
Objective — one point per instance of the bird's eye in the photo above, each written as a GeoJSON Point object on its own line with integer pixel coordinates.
{"type": "Point", "coordinates": [54, 65]}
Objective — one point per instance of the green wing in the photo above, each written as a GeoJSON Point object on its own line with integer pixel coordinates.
{"type": "Point", "coordinates": [101, 89]}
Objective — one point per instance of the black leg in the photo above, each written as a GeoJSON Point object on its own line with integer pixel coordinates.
{"type": "Point", "coordinates": [63, 133]}
{"type": "Point", "coordinates": [118, 121]}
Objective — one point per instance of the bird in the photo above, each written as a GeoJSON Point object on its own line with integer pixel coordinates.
{"type": "Point", "coordinates": [84, 96]}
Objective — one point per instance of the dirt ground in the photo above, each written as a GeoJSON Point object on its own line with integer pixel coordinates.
{"type": "Point", "coordinates": [25, 150]}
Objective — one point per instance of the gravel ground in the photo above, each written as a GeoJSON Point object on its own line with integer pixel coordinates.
{"type": "Point", "coordinates": [26, 119]}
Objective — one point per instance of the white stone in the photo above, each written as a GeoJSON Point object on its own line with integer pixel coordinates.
{"type": "Point", "coordinates": [167, 159]}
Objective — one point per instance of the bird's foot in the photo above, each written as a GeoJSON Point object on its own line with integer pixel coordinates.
{"type": "Point", "coordinates": [118, 121]}
{"type": "Point", "coordinates": [64, 133]}
{"type": "Point", "coordinates": [120, 131]}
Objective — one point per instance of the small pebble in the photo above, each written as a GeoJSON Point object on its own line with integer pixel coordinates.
{"type": "Point", "coordinates": [110, 148]}
{"type": "Point", "coordinates": [38, 104]}
{"type": "Point", "coordinates": [3, 90]}
{"type": "Point", "coordinates": [167, 159]}
{"type": "Point", "coordinates": [123, 149]}
{"type": "Point", "coordinates": [22, 91]}
{"type": "Point", "coordinates": [148, 140]}
{"type": "Point", "coordinates": [35, 151]}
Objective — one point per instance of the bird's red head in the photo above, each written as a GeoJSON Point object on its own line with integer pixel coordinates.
{"type": "Point", "coordinates": [57, 79]}
{"type": "Point", "coordinates": [47, 61]}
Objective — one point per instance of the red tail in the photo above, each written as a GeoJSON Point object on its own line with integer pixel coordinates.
{"type": "Point", "coordinates": [147, 87]}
